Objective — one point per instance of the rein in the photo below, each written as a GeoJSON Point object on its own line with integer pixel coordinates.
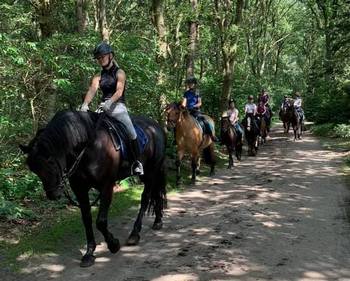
{"type": "Point", "coordinates": [64, 184]}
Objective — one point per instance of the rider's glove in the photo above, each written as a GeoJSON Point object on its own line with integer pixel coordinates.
{"type": "Point", "coordinates": [84, 107]}
{"type": "Point", "coordinates": [106, 106]}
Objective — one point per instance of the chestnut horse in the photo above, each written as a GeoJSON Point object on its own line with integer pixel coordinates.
{"type": "Point", "coordinates": [190, 139]}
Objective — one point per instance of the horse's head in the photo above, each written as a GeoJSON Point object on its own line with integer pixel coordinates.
{"type": "Point", "coordinates": [249, 121]}
{"type": "Point", "coordinates": [45, 167]}
{"type": "Point", "coordinates": [225, 123]}
{"type": "Point", "coordinates": [172, 113]}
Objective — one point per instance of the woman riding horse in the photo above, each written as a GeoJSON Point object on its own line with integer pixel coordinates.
{"type": "Point", "coordinates": [190, 139]}
{"type": "Point", "coordinates": [251, 129]}
{"type": "Point", "coordinates": [192, 101]}
{"type": "Point", "coordinates": [231, 132]}
{"type": "Point", "coordinates": [112, 81]}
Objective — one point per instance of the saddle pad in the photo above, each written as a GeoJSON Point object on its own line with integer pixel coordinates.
{"type": "Point", "coordinates": [121, 140]}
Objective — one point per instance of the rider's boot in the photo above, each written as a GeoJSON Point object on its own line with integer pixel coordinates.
{"type": "Point", "coordinates": [136, 166]}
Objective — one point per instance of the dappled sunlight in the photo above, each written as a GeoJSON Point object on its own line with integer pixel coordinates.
{"type": "Point", "coordinates": [260, 221]}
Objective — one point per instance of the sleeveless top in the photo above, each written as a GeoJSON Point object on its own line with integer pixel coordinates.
{"type": "Point", "coordinates": [191, 98]}
{"type": "Point", "coordinates": [108, 83]}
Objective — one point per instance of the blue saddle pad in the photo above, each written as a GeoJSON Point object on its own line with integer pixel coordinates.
{"type": "Point", "coordinates": [142, 140]}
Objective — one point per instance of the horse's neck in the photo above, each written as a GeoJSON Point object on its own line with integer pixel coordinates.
{"type": "Point", "coordinates": [185, 124]}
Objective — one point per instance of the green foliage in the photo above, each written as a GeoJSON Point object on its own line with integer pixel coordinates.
{"type": "Point", "coordinates": [332, 130]}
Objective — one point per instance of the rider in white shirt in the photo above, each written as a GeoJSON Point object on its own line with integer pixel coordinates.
{"type": "Point", "coordinates": [297, 105]}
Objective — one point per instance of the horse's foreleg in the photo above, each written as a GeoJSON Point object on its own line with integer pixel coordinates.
{"type": "Point", "coordinates": [194, 165]}
{"type": "Point", "coordinates": [230, 158]}
{"type": "Point", "coordinates": [178, 167]}
{"type": "Point", "coordinates": [83, 198]}
{"type": "Point", "coordinates": [101, 222]}
{"type": "Point", "coordinates": [134, 236]}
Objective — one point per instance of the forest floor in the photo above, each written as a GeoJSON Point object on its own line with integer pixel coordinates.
{"type": "Point", "coordinates": [282, 215]}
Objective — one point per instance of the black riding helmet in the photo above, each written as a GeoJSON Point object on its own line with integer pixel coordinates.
{"type": "Point", "coordinates": [191, 80]}
{"type": "Point", "coordinates": [102, 49]}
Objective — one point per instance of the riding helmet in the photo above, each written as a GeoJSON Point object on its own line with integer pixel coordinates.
{"type": "Point", "coordinates": [102, 49]}
{"type": "Point", "coordinates": [230, 101]}
{"type": "Point", "coordinates": [191, 80]}
{"type": "Point", "coordinates": [250, 97]}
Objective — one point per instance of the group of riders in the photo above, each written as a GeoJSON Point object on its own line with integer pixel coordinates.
{"type": "Point", "coordinates": [112, 81]}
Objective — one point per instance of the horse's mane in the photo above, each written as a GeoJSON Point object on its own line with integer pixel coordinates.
{"type": "Point", "coordinates": [68, 131]}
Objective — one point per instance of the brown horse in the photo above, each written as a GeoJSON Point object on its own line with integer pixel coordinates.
{"type": "Point", "coordinates": [290, 116]}
{"type": "Point", "coordinates": [190, 139]}
{"type": "Point", "coordinates": [286, 114]}
{"type": "Point", "coordinates": [263, 129]}
{"type": "Point", "coordinates": [231, 140]}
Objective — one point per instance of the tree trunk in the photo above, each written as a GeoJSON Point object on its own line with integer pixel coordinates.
{"type": "Point", "coordinates": [157, 16]}
{"type": "Point", "coordinates": [192, 45]}
{"type": "Point", "coordinates": [103, 26]}
{"type": "Point", "coordinates": [81, 15]}
{"type": "Point", "coordinates": [44, 13]}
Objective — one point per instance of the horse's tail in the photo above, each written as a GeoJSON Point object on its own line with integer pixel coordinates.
{"type": "Point", "coordinates": [209, 155]}
{"type": "Point", "coordinates": [158, 198]}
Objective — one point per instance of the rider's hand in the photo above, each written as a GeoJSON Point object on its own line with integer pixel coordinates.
{"type": "Point", "coordinates": [106, 106]}
{"type": "Point", "coordinates": [84, 107]}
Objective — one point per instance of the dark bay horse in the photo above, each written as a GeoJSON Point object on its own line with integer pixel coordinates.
{"type": "Point", "coordinates": [263, 128]}
{"type": "Point", "coordinates": [190, 139]}
{"type": "Point", "coordinates": [251, 133]}
{"type": "Point", "coordinates": [290, 116]}
{"type": "Point", "coordinates": [73, 134]}
{"type": "Point", "coordinates": [286, 114]}
{"type": "Point", "coordinates": [230, 139]}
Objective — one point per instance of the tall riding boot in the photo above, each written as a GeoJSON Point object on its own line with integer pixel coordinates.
{"type": "Point", "coordinates": [136, 166]}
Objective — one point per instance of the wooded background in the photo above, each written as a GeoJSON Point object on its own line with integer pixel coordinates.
{"type": "Point", "coordinates": [234, 48]}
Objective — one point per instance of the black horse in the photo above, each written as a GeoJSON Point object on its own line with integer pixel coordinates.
{"type": "Point", "coordinates": [251, 133]}
{"type": "Point", "coordinates": [230, 138]}
{"type": "Point", "coordinates": [71, 135]}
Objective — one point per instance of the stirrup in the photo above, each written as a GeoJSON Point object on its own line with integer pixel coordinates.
{"type": "Point", "coordinates": [137, 168]}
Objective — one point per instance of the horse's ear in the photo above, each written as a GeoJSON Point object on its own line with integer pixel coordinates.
{"type": "Point", "coordinates": [25, 148]}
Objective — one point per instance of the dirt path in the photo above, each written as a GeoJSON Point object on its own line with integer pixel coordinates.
{"type": "Point", "coordinates": [279, 216]}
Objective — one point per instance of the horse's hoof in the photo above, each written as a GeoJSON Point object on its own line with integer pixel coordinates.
{"type": "Point", "coordinates": [133, 239]}
{"type": "Point", "coordinates": [157, 226]}
{"type": "Point", "coordinates": [193, 181]}
{"type": "Point", "coordinates": [229, 167]}
{"type": "Point", "coordinates": [212, 174]}
{"type": "Point", "coordinates": [114, 246]}
{"type": "Point", "coordinates": [87, 260]}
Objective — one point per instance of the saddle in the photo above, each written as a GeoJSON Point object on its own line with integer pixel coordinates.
{"type": "Point", "coordinates": [119, 136]}
{"type": "Point", "coordinates": [200, 122]}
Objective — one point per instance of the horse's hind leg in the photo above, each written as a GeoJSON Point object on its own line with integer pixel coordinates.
{"type": "Point", "coordinates": [101, 222]}
{"type": "Point", "coordinates": [158, 194]}
{"type": "Point", "coordinates": [134, 236]}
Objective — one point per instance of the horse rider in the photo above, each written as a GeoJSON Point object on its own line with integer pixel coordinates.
{"type": "Point", "coordinates": [264, 98]}
{"type": "Point", "coordinates": [192, 101]}
{"type": "Point", "coordinates": [262, 112]}
{"type": "Point", "coordinates": [232, 113]}
{"type": "Point", "coordinates": [284, 102]}
{"type": "Point", "coordinates": [251, 109]}
{"type": "Point", "coordinates": [111, 81]}
{"type": "Point", "coordinates": [297, 106]}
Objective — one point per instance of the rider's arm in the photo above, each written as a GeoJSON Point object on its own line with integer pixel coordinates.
{"type": "Point", "coordinates": [199, 103]}
{"type": "Point", "coordinates": [184, 102]}
{"type": "Point", "coordinates": [120, 85]}
{"type": "Point", "coordinates": [92, 89]}
{"type": "Point", "coordinates": [255, 110]}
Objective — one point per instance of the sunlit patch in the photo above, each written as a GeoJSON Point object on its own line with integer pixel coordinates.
{"type": "Point", "coordinates": [177, 277]}
{"type": "Point", "coordinates": [271, 224]}
{"type": "Point", "coordinates": [313, 275]}
{"type": "Point", "coordinates": [102, 259]}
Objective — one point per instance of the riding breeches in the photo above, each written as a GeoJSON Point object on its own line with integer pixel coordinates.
{"type": "Point", "coordinates": [119, 112]}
